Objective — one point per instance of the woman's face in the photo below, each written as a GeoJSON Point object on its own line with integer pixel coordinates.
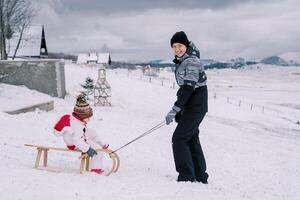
{"type": "Point", "coordinates": [179, 49]}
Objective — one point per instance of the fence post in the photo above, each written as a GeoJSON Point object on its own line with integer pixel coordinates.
{"type": "Point", "coordinates": [215, 95]}
{"type": "Point", "coordinates": [251, 106]}
{"type": "Point", "coordinates": [240, 102]}
{"type": "Point", "coordinates": [149, 79]}
{"type": "Point", "coordinates": [263, 109]}
{"type": "Point", "coordinates": [162, 83]}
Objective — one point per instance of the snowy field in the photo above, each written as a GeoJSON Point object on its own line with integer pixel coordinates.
{"type": "Point", "coordinates": [250, 154]}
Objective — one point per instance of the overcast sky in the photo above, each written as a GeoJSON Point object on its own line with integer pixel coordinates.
{"type": "Point", "coordinates": [141, 29]}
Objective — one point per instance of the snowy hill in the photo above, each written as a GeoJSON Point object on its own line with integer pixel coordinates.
{"type": "Point", "coordinates": [275, 60]}
{"type": "Point", "coordinates": [249, 137]}
{"type": "Point", "coordinates": [292, 57]}
{"type": "Point", "coordinates": [285, 59]}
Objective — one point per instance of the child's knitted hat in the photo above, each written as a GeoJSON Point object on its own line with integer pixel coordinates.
{"type": "Point", "coordinates": [82, 108]}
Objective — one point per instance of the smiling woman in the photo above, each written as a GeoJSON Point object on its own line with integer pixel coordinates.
{"type": "Point", "coordinates": [188, 110]}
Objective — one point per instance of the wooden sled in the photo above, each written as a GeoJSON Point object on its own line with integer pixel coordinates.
{"type": "Point", "coordinates": [84, 158]}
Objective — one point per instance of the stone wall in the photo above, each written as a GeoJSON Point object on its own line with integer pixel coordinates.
{"type": "Point", "coordinates": [46, 76]}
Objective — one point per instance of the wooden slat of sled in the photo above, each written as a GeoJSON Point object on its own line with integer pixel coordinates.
{"type": "Point", "coordinates": [84, 159]}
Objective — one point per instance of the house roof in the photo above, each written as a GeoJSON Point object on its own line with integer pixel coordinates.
{"type": "Point", "coordinates": [30, 44]}
{"type": "Point", "coordinates": [82, 58]}
{"type": "Point", "coordinates": [103, 58]}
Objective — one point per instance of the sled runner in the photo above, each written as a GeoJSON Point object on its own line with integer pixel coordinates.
{"type": "Point", "coordinates": [84, 158]}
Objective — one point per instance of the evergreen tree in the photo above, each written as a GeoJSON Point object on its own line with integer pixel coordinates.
{"type": "Point", "coordinates": [88, 86]}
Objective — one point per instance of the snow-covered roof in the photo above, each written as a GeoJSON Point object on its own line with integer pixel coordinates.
{"type": "Point", "coordinates": [30, 44]}
{"type": "Point", "coordinates": [82, 58]}
{"type": "Point", "coordinates": [103, 58]}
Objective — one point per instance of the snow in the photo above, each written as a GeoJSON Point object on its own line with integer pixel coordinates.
{"type": "Point", "coordinates": [250, 154]}
{"type": "Point", "coordinates": [16, 97]}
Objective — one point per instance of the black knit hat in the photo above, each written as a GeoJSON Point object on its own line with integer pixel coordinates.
{"type": "Point", "coordinates": [180, 37]}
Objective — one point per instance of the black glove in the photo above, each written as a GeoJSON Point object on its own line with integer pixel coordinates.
{"type": "Point", "coordinates": [91, 152]}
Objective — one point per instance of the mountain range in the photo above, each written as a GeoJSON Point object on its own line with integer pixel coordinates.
{"type": "Point", "coordinates": [286, 59]}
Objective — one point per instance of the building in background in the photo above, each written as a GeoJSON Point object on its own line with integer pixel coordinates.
{"type": "Point", "coordinates": [32, 45]}
{"type": "Point", "coordinates": [94, 58]}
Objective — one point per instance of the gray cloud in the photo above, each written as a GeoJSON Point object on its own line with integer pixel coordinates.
{"type": "Point", "coordinates": [252, 30]}
{"type": "Point", "coordinates": [102, 7]}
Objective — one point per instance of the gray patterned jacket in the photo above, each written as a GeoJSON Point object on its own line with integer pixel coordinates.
{"type": "Point", "coordinates": [189, 70]}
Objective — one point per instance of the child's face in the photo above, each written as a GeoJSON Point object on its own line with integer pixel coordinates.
{"type": "Point", "coordinates": [179, 49]}
{"type": "Point", "coordinates": [87, 119]}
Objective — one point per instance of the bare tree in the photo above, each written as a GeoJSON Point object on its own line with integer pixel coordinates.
{"type": "Point", "coordinates": [15, 16]}
{"type": "Point", "coordinates": [19, 40]}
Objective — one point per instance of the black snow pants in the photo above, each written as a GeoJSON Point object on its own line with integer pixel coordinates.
{"type": "Point", "coordinates": [188, 155]}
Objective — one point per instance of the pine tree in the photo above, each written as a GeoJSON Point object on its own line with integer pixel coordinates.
{"type": "Point", "coordinates": [88, 86]}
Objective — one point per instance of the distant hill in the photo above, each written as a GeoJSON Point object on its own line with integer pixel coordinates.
{"type": "Point", "coordinates": [207, 63]}
{"type": "Point", "coordinates": [293, 58]}
{"type": "Point", "coordinates": [274, 60]}
{"type": "Point", "coordinates": [286, 59]}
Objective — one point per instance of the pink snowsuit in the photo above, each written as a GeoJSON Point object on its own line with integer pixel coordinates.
{"type": "Point", "coordinates": [76, 135]}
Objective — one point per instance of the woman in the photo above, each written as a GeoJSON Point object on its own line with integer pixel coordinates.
{"type": "Point", "coordinates": [188, 110]}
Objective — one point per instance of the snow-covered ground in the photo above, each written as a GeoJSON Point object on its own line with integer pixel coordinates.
{"type": "Point", "coordinates": [17, 97]}
{"type": "Point", "coordinates": [251, 154]}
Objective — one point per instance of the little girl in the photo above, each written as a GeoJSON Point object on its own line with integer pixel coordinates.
{"type": "Point", "coordinates": [77, 135]}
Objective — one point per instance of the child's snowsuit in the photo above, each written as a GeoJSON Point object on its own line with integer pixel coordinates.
{"type": "Point", "coordinates": [76, 135]}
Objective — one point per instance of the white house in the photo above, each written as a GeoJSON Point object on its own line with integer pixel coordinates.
{"type": "Point", "coordinates": [92, 58]}
{"type": "Point", "coordinates": [96, 58]}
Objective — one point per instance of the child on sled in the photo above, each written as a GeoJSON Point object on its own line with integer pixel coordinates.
{"type": "Point", "coordinates": [77, 135]}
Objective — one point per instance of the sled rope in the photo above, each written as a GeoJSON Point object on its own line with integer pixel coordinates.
{"type": "Point", "coordinates": [158, 126]}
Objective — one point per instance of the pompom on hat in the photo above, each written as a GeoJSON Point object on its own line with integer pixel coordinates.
{"type": "Point", "coordinates": [180, 37]}
{"type": "Point", "coordinates": [82, 109]}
